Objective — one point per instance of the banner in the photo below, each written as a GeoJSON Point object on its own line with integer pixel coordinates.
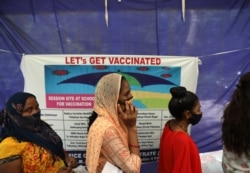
{"type": "Point", "coordinates": [65, 86]}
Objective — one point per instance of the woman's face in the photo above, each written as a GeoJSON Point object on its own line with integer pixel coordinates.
{"type": "Point", "coordinates": [31, 107]}
{"type": "Point", "coordinates": [197, 108]}
{"type": "Point", "coordinates": [125, 93]}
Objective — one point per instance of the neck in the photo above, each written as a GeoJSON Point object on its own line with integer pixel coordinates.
{"type": "Point", "coordinates": [181, 125]}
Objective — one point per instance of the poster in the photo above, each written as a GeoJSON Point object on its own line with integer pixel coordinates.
{"type": "Point", "coordinates": [65, 86]}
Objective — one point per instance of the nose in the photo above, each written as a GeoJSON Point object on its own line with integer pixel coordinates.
{"type": "Point", "coordinates": [35, 111]}
{"type": "Point", "coordinates": [130, 98]}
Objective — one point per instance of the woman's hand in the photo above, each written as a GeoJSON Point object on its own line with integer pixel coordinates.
{"type": "Point", "coordinates": [71, 161]}
{"type": "Point", "coordinates": [129, 116]}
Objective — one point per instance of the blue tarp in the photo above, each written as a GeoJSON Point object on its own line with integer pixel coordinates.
{"type": "Point", "coordinates": [216, 31]}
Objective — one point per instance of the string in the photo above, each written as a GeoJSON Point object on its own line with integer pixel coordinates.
{"type": "Point", "coordinates": [183, 8]}
{"type": "Point", "coordinates": [7, 51]}
{"type": "Point", "coordinates": [106, 13]}
{"type": "Point", "coordinates": [225, 52]}
{"type": "Point", "coordinates": [106, 16]}
{"type": "Point", "coordinates": [208, 55]}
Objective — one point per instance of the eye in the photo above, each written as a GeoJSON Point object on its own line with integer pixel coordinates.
{"type": "Point", "coordinates": [128, 94]}
{"type": "Point", "coordinates": [29, 110]}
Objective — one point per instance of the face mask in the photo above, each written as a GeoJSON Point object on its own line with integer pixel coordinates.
{"type": "Point", "coordinates": [37, 115]}
{"type": "Point", "coordinates": [195, 118]}
{"type": "Point", "coordinates": [31, 122]}
{"type": "Point", "coordinates": [37, 118]}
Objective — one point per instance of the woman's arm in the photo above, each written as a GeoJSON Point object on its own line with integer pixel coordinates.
{"type": "Point", "coordinates": [118, 153]}
{"type": "Point", "coordinates": [129, 118]}
{"type": "Point", "coordinates": [14, 166]}
{"type": "Point", "coordinates": [133, 141]}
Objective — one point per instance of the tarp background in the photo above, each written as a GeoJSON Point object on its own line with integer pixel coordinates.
{"type": "Point", "coordinates": [215, 31]}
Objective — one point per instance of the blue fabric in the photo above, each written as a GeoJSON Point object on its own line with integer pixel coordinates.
{"type": "Point", "coordinates": [215, 31]}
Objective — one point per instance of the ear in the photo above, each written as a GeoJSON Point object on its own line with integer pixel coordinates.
{"type": "Point", "coordinates": [187, 114]}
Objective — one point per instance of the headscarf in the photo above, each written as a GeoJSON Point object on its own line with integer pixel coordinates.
{"type": "Point", "coordinates": [29, 129]}
{"type": "Point", "coordinates": [105, 105]}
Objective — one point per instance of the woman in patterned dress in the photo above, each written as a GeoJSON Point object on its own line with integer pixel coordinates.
{"type": "Point", "coordinates": [112, 134]}
{"type": "Point", "coordinates": [236, 129]}
{"type": "Point", "coordinates": [28, 144]}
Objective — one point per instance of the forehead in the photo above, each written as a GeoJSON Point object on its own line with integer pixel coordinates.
{"type": "Point", "coordinates": [125, 87]}
{"type": "Point", "coordinates": [197, 105]}
{"type": "Point", "coordinates": [31, 101]}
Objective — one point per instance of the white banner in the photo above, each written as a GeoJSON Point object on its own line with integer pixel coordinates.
{"type": "Point", "coordinates": [65, 85]}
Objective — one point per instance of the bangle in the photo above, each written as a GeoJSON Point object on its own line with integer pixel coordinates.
{"type": "Point", "coordinates": [134, 146]}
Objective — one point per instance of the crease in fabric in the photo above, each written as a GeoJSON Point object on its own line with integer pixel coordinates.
{"type": "Point", "coordinates": [58, 28]}
{"type": "Point", "coordinates": [11, 38]}
{"type": "Point", "coordinates": [156, 26]}
{"type": "Point", "coordinates": [33, 10]}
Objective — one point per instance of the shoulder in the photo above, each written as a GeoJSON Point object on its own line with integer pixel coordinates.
{"type": "Point", "coordinates": [99, 128]}
{"type": "Point", "coordinates": [111, 130]}
{"type": "Point", "coordinates": [11, 142]}
{"type": "Point", "coordinates": [183, 138]}
{"type": "Point", "coordinates": [102, 123]}
{"type": "Point", "coordinates": [10, 146]}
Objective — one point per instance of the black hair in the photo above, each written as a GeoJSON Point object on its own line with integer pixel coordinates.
{"type": "Point", "coordinates": [181, 100]}
{"type": "Point", "coordinates": [92, 118]}
{"type": "Point", "coordinates": [236, 118]}
{"type": "Point", "coordinates": [2, 117]}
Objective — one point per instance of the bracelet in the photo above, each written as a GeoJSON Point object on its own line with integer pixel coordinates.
{"type": "Point", "coordinates": [134, 146]}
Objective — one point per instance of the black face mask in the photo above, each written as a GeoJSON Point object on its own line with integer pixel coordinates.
{"type": "Point", "coordinates": [195, 119]}
{"type": "Point", "coordinates": [29, 122]}
{"type": "Point", "coordinates": [37, 115]}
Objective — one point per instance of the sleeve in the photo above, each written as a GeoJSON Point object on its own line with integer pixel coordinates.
{"type": "Point", "coordinates": [182, 155]}
{"type": "Point", "coordinates": [10, 147]}
{"type": "Point", "coordinates": [232, 163]}
{"type": "Point", "coordinates": [116, 151]}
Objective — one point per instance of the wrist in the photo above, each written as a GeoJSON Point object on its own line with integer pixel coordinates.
{"type": "Point", "coordinates": [134, 146]}
{"type": "Point", "coordinates": [133, 128]}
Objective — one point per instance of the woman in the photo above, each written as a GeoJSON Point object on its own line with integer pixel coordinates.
{"type": "Point", "coordinates": [112, 136]}
{"type": "Point", "coordinates": [178, 152]}
{"type": "Point", "coordinates": [236, 129]}
{"type": "Point", "coordinates": [28, 144]}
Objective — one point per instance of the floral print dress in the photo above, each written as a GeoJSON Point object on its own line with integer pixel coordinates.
{"type": "Point", "coordinates": [231, 163]}
{"type": "Point", "coordinates": [34, 158]}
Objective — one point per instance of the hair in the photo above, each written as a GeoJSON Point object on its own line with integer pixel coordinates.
{"type": "Point", "coordinates": [2, 117]}
{"type": "Point", "coordinates": [94, 115]}
{"type": "Point", "coordinates": [236, 118]}
{"type": "Point", "coordinates": [92, 118]}
{"type": "Point", "coordinates": [181, 100]}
